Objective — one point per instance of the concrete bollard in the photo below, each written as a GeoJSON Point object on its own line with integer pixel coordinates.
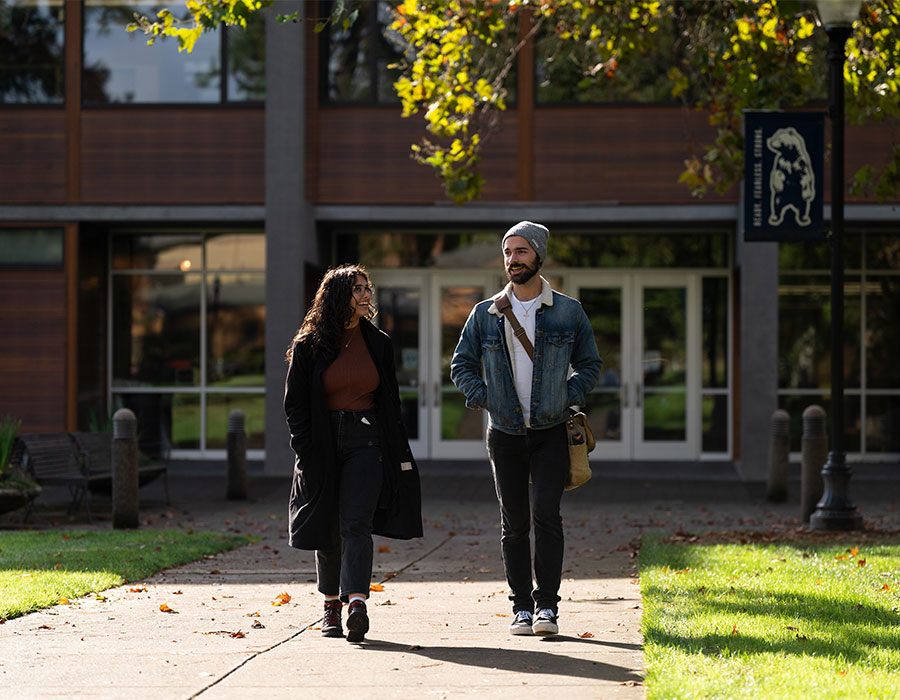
{"type": "Point", "coordinates": [779, 449]}
{"type": "Point", "coordinates": [814, 451]}
{"type": "Point", "coordinates": [237, 457]}
{"type": "Point", "coordinates": [125, 486]}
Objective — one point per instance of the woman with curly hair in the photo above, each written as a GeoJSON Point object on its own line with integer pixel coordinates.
{"type": "Point", "coordinates": [354, 473]}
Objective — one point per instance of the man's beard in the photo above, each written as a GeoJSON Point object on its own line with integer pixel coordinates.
{"type": "Point", "coordinates": [523, 275]}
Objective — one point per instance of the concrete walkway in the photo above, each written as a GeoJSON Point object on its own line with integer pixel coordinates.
{"type": "Point", "coordinates": [438, 628]}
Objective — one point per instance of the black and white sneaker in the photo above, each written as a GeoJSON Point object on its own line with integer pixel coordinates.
{"type": "Point", "coordinates": [545, 623]}
{"type": "Point", "coordinates": [521, 623]}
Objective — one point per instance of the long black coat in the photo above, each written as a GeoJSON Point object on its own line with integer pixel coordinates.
{"type": "Point", "coordinates": [314, 489]}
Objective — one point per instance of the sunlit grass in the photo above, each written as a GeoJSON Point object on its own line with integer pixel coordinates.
{"type": "Point", "coordinates": [38, 569]}
{"type": "Point", "coordinates": [792, 620]}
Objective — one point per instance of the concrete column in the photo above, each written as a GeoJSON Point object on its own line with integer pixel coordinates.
{"type": "Point", "coordinates": [236, 444]}
{"type": "Point", "coordinates": [758, 370]}
{"type": "Point", "coordinates": [125, 486]}
{"type": "Point", "coordinates": [291, 240]}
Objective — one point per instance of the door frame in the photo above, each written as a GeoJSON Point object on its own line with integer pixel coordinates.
{"type": "Point", "coordinates": [632, 283]}
{"type": "Point", "coordinates": [439, 447]}
{"type": "Point", "coordinates": [414, 279]}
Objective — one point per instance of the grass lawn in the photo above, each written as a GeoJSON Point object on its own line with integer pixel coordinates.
{"type": "Point", "coordinates": [38, 569]}
{"type": "Point", "coordinates": [809, 618]}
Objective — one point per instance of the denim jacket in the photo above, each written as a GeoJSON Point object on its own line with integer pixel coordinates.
{"type": "Point", "coordinates": [563, 338]}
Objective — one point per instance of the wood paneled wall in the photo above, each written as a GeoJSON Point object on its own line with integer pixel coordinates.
{"type": "Point", "coordinates": [364, 158]}
{"type": "Point", "coordinates": [33, 155]}
{"type": "Point", "coordinates": [185, 155]}
{"type": "Point", "coordinates": [625, 155]}
{"type": "Point", "coordinates": [33, 348]}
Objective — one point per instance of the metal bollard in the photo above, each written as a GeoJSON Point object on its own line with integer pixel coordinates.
{"type": "Point", "coordinates": [779, 448]}
{"type": "Point", "coordinates": [237, 457]}
{"type": "Point", "coordinates": [125, 499]}
{"type": "Point", "coordinates": [814, 450]}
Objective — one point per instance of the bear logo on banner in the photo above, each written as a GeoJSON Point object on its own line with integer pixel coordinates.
{"type": "Point", "coordinates": [792, 182]}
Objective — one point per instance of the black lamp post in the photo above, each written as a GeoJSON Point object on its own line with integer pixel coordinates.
{"type": "Point", "coordinates": [835, 511]}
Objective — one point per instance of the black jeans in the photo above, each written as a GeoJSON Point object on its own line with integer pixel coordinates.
{"type": "Point", "coordinates": [347, 568]}
{"type": "Point", "coordinates": [543, 455]}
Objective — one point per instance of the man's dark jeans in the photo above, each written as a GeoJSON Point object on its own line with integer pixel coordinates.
{"type": "Point", "coordinates": [348, 568]}
{"type": "Point", "coordinates": [544, 456]}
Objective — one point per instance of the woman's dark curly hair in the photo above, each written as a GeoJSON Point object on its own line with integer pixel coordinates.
{"type": "Point", "coordinates": [330, 313]}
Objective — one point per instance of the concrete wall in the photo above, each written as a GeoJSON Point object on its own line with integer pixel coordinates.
{"type": "Point", "coordinates": [290, 229]}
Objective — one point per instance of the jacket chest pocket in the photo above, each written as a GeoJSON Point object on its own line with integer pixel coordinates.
{"type": "Point", "coordinates": [558, 349]}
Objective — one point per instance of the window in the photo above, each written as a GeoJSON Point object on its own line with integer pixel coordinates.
{"type": "Point", "coordinates": [188, 335]}
{"type": "Point", "coordinates": [32, 60]}
{"type": "Point", "coordinates": [482, 249]}
{"type": "Point", "coordinates": [570, 72]}
{"type": "Point", "coordinates": [871, 336]}
{"type": "Point", "coordinates": [119, 67]}
{"type": "Point", "coordinates": [31, 247]}
{"type": "Point", "coordinates": [355, 61]}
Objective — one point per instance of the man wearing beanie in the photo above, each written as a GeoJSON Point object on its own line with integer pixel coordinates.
{"type": "Point", "coordinates": [526, 388]}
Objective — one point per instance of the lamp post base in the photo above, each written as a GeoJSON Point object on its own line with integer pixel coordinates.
{"type": "Point", "coordinates": [835, 511]}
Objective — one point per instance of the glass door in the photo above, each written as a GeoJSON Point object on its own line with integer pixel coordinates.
{"type": "Point", "coordinates": [646, 325]}
{"type": "Point", "coordinates": [456, 431]}
{"type": "Point", "coordinates": [666, 397]}
{"type": "Point", "coordinates": [605, 298]}
{"type": "Point", "coordinates": [401, 299]}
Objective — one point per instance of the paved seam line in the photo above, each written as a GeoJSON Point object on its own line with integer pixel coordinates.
{"type": "Point", "coordinates": [306, 627]}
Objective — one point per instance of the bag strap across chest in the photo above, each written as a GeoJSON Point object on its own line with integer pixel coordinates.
{"type": "Point", "coordinates": [504, 305]}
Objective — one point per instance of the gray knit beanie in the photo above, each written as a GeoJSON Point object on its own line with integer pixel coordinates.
{"type": "Point", "coordinates": [535, 234]}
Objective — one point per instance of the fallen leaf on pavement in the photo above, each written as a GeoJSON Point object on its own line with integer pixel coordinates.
{"type": "Point", "coordinates": [166, 609]}
{"type": "Point", "coordinates": [137, 590]}
{"type": "Point", "coordinates": [384, 548]}
{"type": "Point", "coordinates": [376, 587]}
{"type": "Point", "coordinates": [282, 599]}
{"type": "Point", "coordinates": [238, 635]}
{"type": "Point", "coordinates": [586, 635]}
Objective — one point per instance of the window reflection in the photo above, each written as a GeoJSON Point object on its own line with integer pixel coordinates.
{"type": "Point", "coordinates": [219, 406]}
{"type": "Point", "coordinates": [203, 329]}
{"type": "Point", "coordinates": [170, 252]}
{"type": "Point", "coordinates": [356, 58]}
{"type": "Point", "coordinates": [246, 49]}
{"type": "Point", "coordinates": [235, 329]}
{"type": "Point", "coordinates": [156, 330]}
{"type": "Point", "coordinates": [236, 251]}
{"type": "Point", "coordinates": [32, 59]}
{"type": "Point", "coordinates": [574, 250]}
{"type": "Point", "coordinates": [31, 247]}
{"type": "Point", "coordinates": [398, 316]}
{"type": "Point", "coordinates": [119, 66]}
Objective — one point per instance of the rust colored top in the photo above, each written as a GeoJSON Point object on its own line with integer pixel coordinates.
{"type": "Point", "coordinates": [351, 380]}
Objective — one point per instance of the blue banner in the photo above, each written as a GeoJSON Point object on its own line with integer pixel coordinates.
{"type": "Point", "coordinates": [784, 176]}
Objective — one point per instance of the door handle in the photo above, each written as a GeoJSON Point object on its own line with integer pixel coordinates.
{"type": "Point", "coordinates": [638, 395]}
{"type": "Point", "coordinates": [437, 394]}
{"type": "Point", "coordinates": [423, 390]}
{"type": "Point", "coordinates": [625, 395]}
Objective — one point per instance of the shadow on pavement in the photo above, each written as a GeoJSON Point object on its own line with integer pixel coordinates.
{"type": "Point", "coordinates": [518, 661]}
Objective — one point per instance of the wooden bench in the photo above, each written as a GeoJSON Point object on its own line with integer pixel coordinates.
{"type": "Point", "coordinates": [52, 459]}
{"type": "Point", "coordinates": [95, 451]}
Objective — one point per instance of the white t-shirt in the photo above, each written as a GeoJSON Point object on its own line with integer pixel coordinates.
{"type": "Point", "coordinates": [523, 366]}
